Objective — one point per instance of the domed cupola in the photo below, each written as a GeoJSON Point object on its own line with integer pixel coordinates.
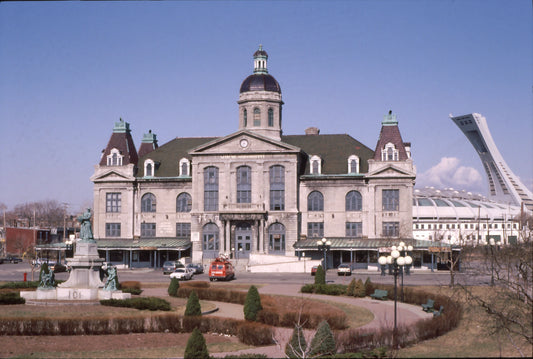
{"type": "Point", "coordinates": [260, 100]}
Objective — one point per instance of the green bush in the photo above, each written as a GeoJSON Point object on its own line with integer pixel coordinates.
{"type": "Point", "coordinates": [196, 347]}
{"type": "Point", "coordinates": [297, 346]}
{"type": "Point", "coordinates": [350, 288]}
{"type": "Point", "coordinates": [308, 288]}
{"type": "Point", "coordinates": [133, 291]}
{"type": "Point", "coordinates": [173, 287]}
{"type": "Point", "coordinates": [369, 287]}
{"type": "Point", "coordinates": [11, 298]}
{"type": "Point", "coordinates": [320, 276]}
{"type": "Point", "coordinates": [359, 289]}
{"type": "Point", "coordinates": [142, 303]}
{"type": "Point", "coordinates": [323, 343]}
{"type": "Point", "coordinates": [20, 285]}
{"type": "Point", "coordinates": [193, 305]}
{"type": "Point", "coordinates": [252, 304]}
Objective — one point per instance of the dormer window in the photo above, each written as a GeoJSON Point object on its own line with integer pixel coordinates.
{"type": "Point", "coordinates": [114, 158]}
{"type": "Point", "coordinates": [389, 153]}
{"type": "Point", "coordinates": [316, 165]}
{"type": "Point", "coordinates": [149, 168]}
{"type": "Point", "coordinates": [353, 164]}
{"type": "Point", "coordinates": [185, 167]}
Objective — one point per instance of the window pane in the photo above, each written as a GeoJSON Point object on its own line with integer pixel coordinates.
{"type": "Point", "coordinates": [113, 202]}
{"type": "Point", "coordinates": [211, 189]}
{"type": "Point", "coordinates": [147, 229]}
{"type": "Point", "coordinates": [277, 188]}
{"type": "Point", "coordinates": [391, 199]}
{"type": "Point", "coordinates": [354, 201]}
{"type": "Point", "coordinates": [244, 185]}
{"type": "Point", "coordinates": [183, 230]}
{"type": "Point", "coordinates": [315, 229]}
{"type": "Point", "coordinates": [183, 202]}
{"type": "Point", "coordinates": [148, 203]}
{"type": "Point", "coordinates": [112, 229]}
{"type": "Point", "coordinates": [315, 201]}
{"type": "Point", "coordinates": [354, 229]}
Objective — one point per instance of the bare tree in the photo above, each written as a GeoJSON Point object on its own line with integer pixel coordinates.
{"type": "Point", "coordinates": [509, 305]}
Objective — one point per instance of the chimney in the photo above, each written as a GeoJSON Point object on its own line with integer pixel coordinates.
{"type": "Point", "coordinates": [312, 131]}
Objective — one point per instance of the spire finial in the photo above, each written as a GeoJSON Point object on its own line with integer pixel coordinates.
{"type": "Point", "coordinates": [260, 61]}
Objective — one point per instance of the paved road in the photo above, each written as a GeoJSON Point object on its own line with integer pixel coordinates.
{"type": "Point", "coordinates": [15, 272]}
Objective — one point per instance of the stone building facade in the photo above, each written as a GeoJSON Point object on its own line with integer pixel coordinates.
{"type": "Point", "coordinates": [256, 194]}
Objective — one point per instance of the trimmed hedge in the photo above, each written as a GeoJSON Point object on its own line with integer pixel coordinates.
{"type": "Point", "coordinates": [20, 285]}
{"type": "Point", "coordinates": [142, 303]}
{"type": "Point", "coordinates": [11, 298]}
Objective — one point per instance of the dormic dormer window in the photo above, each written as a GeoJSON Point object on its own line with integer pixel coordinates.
{"type": "Point", "coordinates": [149, 168]}
{"type": "Point", "coordinates": [114, 158]}
{"type": "Point", "coordinates": [316, 165]}
{"type": "Point", "coordinates": [185, 167]}
{"type": "Point", "coordinates": [389, 152]}
{"type": "Point", "coordinates": [353, 164]}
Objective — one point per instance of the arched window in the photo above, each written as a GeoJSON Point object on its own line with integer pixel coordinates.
{"type": "Point", "coordinates": [353, 164]}
{"type": "Point", "coordinates": [183, 202]}
{"type": "Point", "coordinates": [245, 117]}
{"type": "Point", "coordinates": [315, 201]}
{"type": "Point", "coordinates": [114, 158]}
{"type": "Point", "coordinates": [277, 188]}
{"type": "Point", "coordinates": [389, 152]}
{"type": "Point", "coordinates": [210, 240]}
{"type": "Point", "coordinates": [211, 189]}
{"type": "Point", "coordinates": [244, 184]}
{"type": "Point", "coordinates": [276, 238]}
{"type": "Point", "coordinates": [354, 201]}
{"type": "Point", "coordinates": [257, 117]}
{"type": "Point", "coordinates": [270, 117]}
{"type": "Point", "coordinates": [148, 203]}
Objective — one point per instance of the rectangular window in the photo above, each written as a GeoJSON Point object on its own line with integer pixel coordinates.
{"type": "Point", "coordinates": [147, 229]}
{"type": "Point", "coordinates": [354, 229]}
{"type": "Point", "coordinates": [112, 202]}
{"type": "Point", "coordinates": [315, 229]}
{"type": "Point", "coordinates": [112, 229]}
{"type": "Point", "coordinates": [211, 189]}
{"type": "Point", "coordinates": [391, 229]}
{"type": "Point", "coordinates": [391, 199]}
{"type": "Point", "coordinates": [277, 188]}
{"type": "Point", "coordinates": [183, 230]}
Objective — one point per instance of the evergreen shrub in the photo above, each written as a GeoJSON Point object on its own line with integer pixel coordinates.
{"type": "Point", "coordinates": [320, 275]}
{"type": "Point", "coordinates": [11, 298]}
{"type": "Point", "coordinates": [252, 304]}
{"type": "Point", "coordinates": [173, 287]}
{"type": "Point", "coordinates": [196, 347]}
{"type": "Point", "coordinates": [297, 346]}
{"type": "Point", "coordinates": [323, 343]}
{"type": "Point", "coordinates": [193, 305]}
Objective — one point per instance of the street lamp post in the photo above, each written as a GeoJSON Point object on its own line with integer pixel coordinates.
{"type": "Point", "coordinates": [398, 262]}
{"type": "Point", "coordinates": [324, 245]}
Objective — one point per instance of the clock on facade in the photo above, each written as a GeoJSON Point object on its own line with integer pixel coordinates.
{"type": "Point", "coordinates": [244, 143]}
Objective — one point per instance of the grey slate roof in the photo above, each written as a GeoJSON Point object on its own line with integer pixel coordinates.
{"type": "Point", "coordinates": [334, 151]}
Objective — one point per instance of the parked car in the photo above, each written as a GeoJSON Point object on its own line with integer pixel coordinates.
{"type": "Point", "coordinates": [221, 269]}
{"type": "Point", "coordinates": [171, 266]}
{"type": "Point", "coordinates": [198, 268]}
{"type": "Point", "coordinates": [181, 274]}
{"type": "Point", "coordinates": [344, 269]}
{"type": "Point", "coordinates": [12, 259]}
{"type": "Point", "coordinates": [313, 270]}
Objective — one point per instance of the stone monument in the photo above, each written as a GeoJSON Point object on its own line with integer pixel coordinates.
{"type": "Point", "coordinates": [84, 281]}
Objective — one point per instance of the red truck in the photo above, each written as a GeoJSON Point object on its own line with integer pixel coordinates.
{"type": "Point", "coordinates": [221, 269]}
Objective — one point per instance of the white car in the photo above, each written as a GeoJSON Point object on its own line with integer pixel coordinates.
{"type": "Point", "coordinates": [181, 274]}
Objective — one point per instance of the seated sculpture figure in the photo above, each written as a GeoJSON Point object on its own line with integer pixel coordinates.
{"type": "Point", "coordinates": [47, 280]}
{"type": "Point", "coordinates": [112, 280]}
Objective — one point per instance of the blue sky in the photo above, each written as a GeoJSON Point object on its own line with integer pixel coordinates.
{"type": "Point", "coordinates": [70, 70]}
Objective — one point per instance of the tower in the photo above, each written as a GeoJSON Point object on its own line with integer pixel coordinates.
{"type": "Point", "coordinates": [260, 100]}
{"type": "Point", "coordinates": [504, 185]}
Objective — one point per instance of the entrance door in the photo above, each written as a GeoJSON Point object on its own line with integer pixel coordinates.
{"type": "Point", "coordinates": [243, 240]}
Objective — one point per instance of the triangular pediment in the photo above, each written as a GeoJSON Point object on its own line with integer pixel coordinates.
{"type": "Point", "coordinates": [243, 142]}
{"type": "Point", "coordinates": [111, 175]}
{"type": "Point", "coordinates": [390, 171]}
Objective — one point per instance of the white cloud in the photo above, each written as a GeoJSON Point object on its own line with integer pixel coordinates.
{"type": "Point", "coordinates": [449, 173]}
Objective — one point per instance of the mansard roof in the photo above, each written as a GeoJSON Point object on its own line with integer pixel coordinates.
{"type": "Point", "coordinates": [168, 155]}
{"type": "Point", "coordinates": [123, 142]}
{"type": "Point", "coordinates": [334, 151]}
{"type": "Point", "coordinates": [390, 134]}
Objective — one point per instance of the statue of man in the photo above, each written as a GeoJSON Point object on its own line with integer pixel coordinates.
{"type": "Point", "coordinates": [112, 280]}
{"type": "Point", "coordinates": [86, 232]}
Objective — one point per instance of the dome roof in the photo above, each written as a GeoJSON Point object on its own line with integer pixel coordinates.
{"type": "Point", "coordinates": [260, 82]}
